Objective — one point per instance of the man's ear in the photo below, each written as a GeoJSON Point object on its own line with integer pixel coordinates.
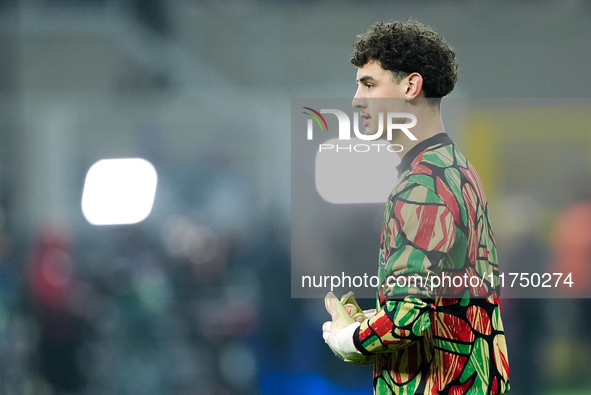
{"type": "Point", "coordinates": [414, 86]}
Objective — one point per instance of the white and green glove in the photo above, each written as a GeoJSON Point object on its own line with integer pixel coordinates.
{"type": "Point", "coordinates": [338, 333]}
{"type": "Point", "coordinates": [348, 301]}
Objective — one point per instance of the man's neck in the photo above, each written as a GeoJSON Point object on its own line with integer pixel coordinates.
{"type": "Point", "coordinates": [429, 124]}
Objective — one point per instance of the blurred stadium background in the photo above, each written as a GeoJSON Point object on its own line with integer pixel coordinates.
{"type": "Point", "coordinates": [195, 299]}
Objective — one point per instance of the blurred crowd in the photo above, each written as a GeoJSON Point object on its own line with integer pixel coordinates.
{"type": "Point", "coordinates": [179, 312]}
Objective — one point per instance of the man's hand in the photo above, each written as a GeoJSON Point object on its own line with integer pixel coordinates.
{"type": "Point", "coordinates": [338, 333]}
{"type": "Point", "coordinates": [348, 301]}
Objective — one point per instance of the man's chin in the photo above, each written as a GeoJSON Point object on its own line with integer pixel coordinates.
{"type": "Point", "coordinates": [369, 131]}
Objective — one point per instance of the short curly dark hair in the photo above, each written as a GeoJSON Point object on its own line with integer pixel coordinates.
{"type": "Point", "coordinates": [407, 47]}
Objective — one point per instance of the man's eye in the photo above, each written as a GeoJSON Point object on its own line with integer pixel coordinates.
{"type": "Point", "coordinates": [369, 86]}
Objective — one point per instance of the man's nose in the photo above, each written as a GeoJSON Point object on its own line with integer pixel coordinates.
{"type": "Point", "coordinates": [358, 102]}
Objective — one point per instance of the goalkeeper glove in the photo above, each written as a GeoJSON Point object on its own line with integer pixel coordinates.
{"type": "Point", "coordinates": [348, 301]}
{"type": "Point", "coordinates": [338, 333]}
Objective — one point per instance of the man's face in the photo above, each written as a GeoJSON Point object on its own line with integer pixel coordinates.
{"type": "Point", "coordinates": [376, 83]}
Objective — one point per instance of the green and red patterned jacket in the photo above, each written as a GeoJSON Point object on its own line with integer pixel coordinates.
{"type": "Point", "coordinates": [444, 336]}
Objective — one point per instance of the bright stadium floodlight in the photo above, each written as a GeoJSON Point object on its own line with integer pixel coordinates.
{"type": "Point", "coordinates": [119, 191]}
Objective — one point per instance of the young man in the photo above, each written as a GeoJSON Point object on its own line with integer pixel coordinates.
{"type": "Point", "coordinates": [437, 328]}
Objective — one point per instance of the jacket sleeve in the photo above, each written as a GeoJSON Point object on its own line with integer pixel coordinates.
{"type": "Point", "coordinates": [419, 230]}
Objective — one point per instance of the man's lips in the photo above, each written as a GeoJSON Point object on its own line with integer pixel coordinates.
{"type": "Point", "coordinates": [366, 119]}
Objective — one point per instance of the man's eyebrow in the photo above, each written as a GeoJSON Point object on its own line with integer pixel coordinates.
{"type": "Point", "coordinates": [365, 78]}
